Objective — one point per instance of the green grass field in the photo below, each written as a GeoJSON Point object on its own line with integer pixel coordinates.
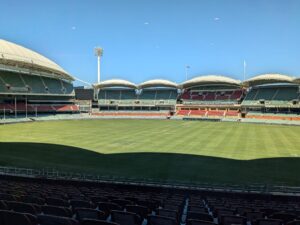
{"type": "Point", "coordinates": [187, 151]}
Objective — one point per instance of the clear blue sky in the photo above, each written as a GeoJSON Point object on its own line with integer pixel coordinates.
{"type": "Point", "coordinates": [147, 39]}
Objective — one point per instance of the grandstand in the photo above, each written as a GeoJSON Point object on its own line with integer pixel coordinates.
{"type": "Point", "coordinates": [31, 83]}
{"type": "Point", "coordinates": [119, 188]}
{"type": "Point", "coordinates": [204, 96]}
{"type": "Point", "coordinates": [211, 90]}
{"type": "Point", "coordinates": [30, 201]}
{"type": "Point", "coordinates": [124, 97]}
{"type": "Point", "coordinates": [210, 96]}
{"type": "Point", "coordinates": [272, 93]}
{"type": "Point", "coordinates": [116, 94]}
{"type": "Point", "coordinates": [158, 93]}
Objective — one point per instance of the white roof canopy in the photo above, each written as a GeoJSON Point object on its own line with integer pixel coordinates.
{"type": "Point", "coordinates": [268, 79]}
{"type": "Point", "coordinates": [158, 83]}
{"type": "Point", "coordinates": [297, 80]}
{"type": "Point", "coordinates": [115, 83]}
{"type": "Point", "coordinates": [14, 54]}
{"type": "Point", "coordinates": [210, 80]}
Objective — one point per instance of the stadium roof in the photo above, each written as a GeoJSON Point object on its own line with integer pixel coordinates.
{"type": "Point", "coordinates": [210, 80]}
{"type": "Point", "coordinates": [12, 54]}
{"type": "Point", "coordinates": [268, 79]}
{"type": "Point", "coordinates": [158, 83]}
{"type": "Point", "coordinates": [115, 83]}
{"type": "Point", "coordinates": [297, 80]}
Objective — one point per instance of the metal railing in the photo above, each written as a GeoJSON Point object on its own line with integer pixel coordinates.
{"type": "Point", "coordinates": [53, 174]}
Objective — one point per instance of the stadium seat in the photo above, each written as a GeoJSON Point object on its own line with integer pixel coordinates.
{"type": "Point", "coordinates": [285, 217]}
{"type": "Point", "coordinates": [168, 213]}
{"type": "Point", "coordinates": [57, 202]}
{"type": "Point", "coordinates": [161, 220]}
{"type": "Point", "coordinates": [23, 207]}
{"type": "Point", "coordinates": [81, 204]}
{"type": "Point", "coordinates": [223, 212]}
{"type": "Point", "coordinates": [253, 216]}
{"type": "Point", "coordinates": [96, 222]}
{"type": "Point", "coordinates": [197, 208]}
{"type": "Point", "coordinates": [199, 216]}
{"type": "Point", "coordinates": [3, 205]}
{"type": "Point", "coordinates": [199, 222]}
{"type": "Point", "coordinates": [125, 218]}
{"type": "Point", "coordinates": [14, 218]}
{"type": "Point", "coordinates": [142, 211]}
{"type": "Point", "coordinates": [295, 222]}
{"type": "Point", "coordinates": [268, 222]}
{"type": "Point", "coordinates": [96, 199]}
{"type": "Point", "coordinates": [150, 204]}
{"type": "Point", "coordinates": [268, 211]}
{"type": "Point", "coordinates": [121, 202]}
{"type": "Point", "coordinates": [86, 213]}
{"type": "Point", "coordinates": [107, 207]}
{"type": "Point", "coordinates": [229, 220]}
{"type": "Point", "coordinates": [33, 199]}
{"type": "Point", "coordinates": [174, 207]}
{"type": "Point", "coordinates": [56, 211]}
{"type": "Point", "coordinates": [7, 197]}
{"type": "Point", "coordinates": [55, 220]}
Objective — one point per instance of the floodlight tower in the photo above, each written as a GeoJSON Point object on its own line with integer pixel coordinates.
{"type": "Point", "coordinates": [187, 67]}
{"type": "Point", "coordinates": [98, 53]}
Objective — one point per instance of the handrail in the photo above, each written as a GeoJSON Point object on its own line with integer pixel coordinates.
{"type": "Point", "coordinates": [53, 174]}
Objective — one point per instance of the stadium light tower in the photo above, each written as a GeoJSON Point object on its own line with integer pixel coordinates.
{"type": "Point", "coordinates": [98, 53]}
{"type": "Point", "coordinates": [187, 67]}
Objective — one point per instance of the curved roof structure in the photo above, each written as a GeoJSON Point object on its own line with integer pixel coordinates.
{"type": "Point", "coordinates": [297, 80]}
{"type": "Point", "coordinates": [268, 79]}
{"type": "Point", "coordinates": [115, 83]}
{"type": "Point", "coordinates": [16, 55]}
{"type": "Point", "coordinates": [210, 80]}
{"type": "Point", "coordinates": [158, 83]}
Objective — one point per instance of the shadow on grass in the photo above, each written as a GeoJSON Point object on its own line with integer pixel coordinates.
{"type": "Point", "coordinates": [163, 166]}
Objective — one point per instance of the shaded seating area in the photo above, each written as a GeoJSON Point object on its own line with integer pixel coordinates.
{"type": "Point", "coordinates": [33, 202]}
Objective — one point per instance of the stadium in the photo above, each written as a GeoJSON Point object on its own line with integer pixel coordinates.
{"type": "Point", "coordinates": [211, 150]}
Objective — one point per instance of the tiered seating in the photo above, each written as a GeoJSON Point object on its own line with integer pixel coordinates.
{"type": "Point", "coordinates": [35, 83]}
{"type": "Point", "coordinates": [32, 84]}
{"type": "Point", "coordinates": [116, 96]}
{"type": "Point", "coordinates": [4, 106]}
{"type": "Point", "coordinates": [272, 96]}
{"type": "Point", "coordinates": [198, 113]}
{"type": "Point", "coordinates": [37, 203]}
{"type": "Point", "coordinates": [273, 116]}
{"type": "Point", "coordinates": [212, 97]}
{"type": "Point", "coordinates": [232, 113]}
{"type": "Point", "coordinates": [286, 94]}
{"type": "Point", "coordinates": [147, 97]}
{"type": "Point", "coordinates": [53, 86]}
{"type": "Point", "coordinates": [158, 97]}
{"type": "Point", "coordinates": [129, 97]}
{"type": "Point", "coordinates": [31, 202]}
{"type": "Point", "coordinates": [237, 94]}
{"type": "Point", "coordinates": [216, 113]}
{"type": "Point", "coordinates": [13, 80]}
{"type": "Point", "coordinates": [266, 93]}
{"type": "Point", "coordinates": [242, 211]}
{"type": "Point", "coordinates": [207, 113]}
{"type": "Point", "coordinates": [66, 108]}
{"type": "Point", "coordinates": [183, 112]}
{"type": "Point", "coordinates": [44, 108]}
{"type": "Point", "coordinates": [67, 87]}
{"type": "Point", "coordinates": [163, 114]}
